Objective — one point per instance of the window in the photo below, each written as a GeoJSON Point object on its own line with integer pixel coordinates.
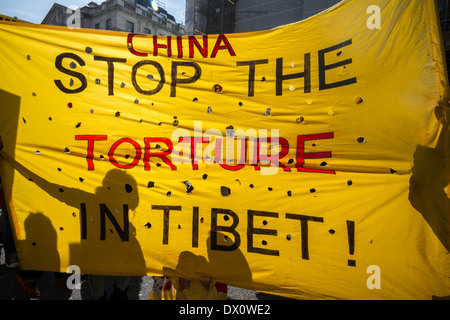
{"type": "Point", "coordinates": [108, 24]}
{"type": "Point", "coordinates": [97, 26]}
{"type": "Point", "coordinates": [147, 31]}
{"type": "Point", "coordinates": [130, 26]}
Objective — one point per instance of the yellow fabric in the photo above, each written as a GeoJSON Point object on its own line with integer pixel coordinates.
{"type": "Point", "coordinates": [98, 127]}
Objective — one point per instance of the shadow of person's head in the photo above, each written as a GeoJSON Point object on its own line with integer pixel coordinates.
{"type": "Point", "coordinates": [226, 258]}
{"type": "Point", "coordinates": [41, 241]}
{"type": "Point", "coordinates": [119, 187]}
{"type": "Point", "coordinates": [190, 265]}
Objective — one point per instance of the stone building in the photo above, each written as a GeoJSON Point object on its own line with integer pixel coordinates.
{"type": "Point", "coordinates": [133, 16]}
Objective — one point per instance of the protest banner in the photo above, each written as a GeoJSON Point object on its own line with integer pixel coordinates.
{"type": "Point", "coordinates": [308, 161]}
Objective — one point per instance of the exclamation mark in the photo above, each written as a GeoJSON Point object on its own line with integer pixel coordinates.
{"type": "Point", "coordinates": [351, 241]}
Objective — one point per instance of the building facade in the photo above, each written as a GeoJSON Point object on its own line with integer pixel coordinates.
{"type": "Point", "coordinates": [255, 15]}
{"type": "Point", "coordinates": [210, 16]}
{"type": "Point", "coordinates": [228, 16]}
{"type": "Point", "coordinates": [133, 16]}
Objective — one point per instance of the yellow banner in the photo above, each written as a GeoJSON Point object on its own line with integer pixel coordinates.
{"type": "Point", "coordinates": [308, 161]}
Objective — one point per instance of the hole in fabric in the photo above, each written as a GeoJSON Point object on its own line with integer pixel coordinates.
{"type": "Point", "coordinates": [300, 120]}
{"type": "Point", "coordinates": [288, 237]}
{"type": "Point", "coordinates": [344, 71]}
{"type": "Point", "coordinates": [289, 193]}
{"type": "Point", "coordinates": [349, 182]}
{"type": "Point", "coordinates": [117, 114]}
{"type": "Point", "coordinates": [267, 112]}
{"type": "Point", "coordinates": [393, 171]}
{"type": "Point", "coordinates": [217, 88]}
{"type": "Point", "coordinates": [78, 125]}
{"type": "Point", "coordinates": [88, 50]}
{"type": "Point", "coordinates": [128, 188]}
{"type": "Point", "coordinates": [359, 100]}
{"type": "Point", "coordinates": [331, 231]}
{"type": "Point", "coordinates": [150, 184]}
{"type": "Point", "coordinates": [189, 187]}
{"type": "Point", "coordinates": [230, 131]}
{"type": "Point", "coordinates": [205, 176]}
{"type": "Point", "coordinates": [361, 140]}
{"type": "Point", "coordinates": [225, 191]}
{"type": "Point", "coordinates": [81, 179]}
{"type": "Point", "coordinates": [169, 193]}
{"type": "Point", "coordinates": [148, 225]}
{"type": "Point", "coordinates": [312, 190]}
{"type": "Point", "coordinates": [97, 81]}
{"type": "Point", "coordinates": [251, 185]}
